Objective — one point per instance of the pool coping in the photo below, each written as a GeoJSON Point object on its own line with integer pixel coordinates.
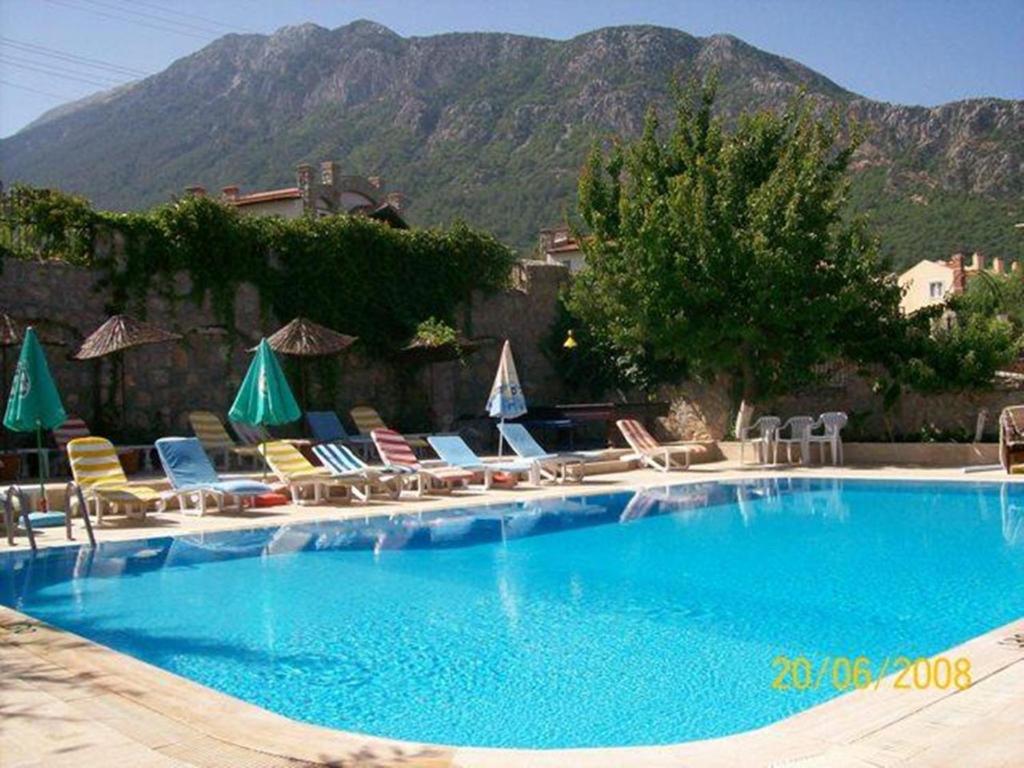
{"type": "Point", "coordinates": [861, 728]}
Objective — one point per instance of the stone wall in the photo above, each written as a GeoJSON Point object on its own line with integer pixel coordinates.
{"type": "Point", "coordinates": [204, 370]}
{"type": "Point", "coordinates": [702, 411]}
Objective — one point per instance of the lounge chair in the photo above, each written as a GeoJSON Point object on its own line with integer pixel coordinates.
{"type": "Point", "coordinates": [250, 434]}
{"type": "Point", "coordinates": [551, 466]}
{"type": "Point", "coordinates": [193, 478]}
{"type": "Point", "coordinates": [799, 428]}
{"type": "Point", "coordinates": [762, 435]}
{"type": "Point", "coordinates": [326, 427]}
{"type": "Point", "coordinates": [74, 427]}
{"type": "Point", "coordinates": [295, 470]}
{"type": "Point", "coordinates": [832, 424]}
{"type": "Point", "coordinates": [1011, 439]}
{"type": "Point", "coordinates": [341, 462]}
{"type": "Point", "coordinates": [367, 420]}
{"type": "Point", "coordinates": [453, 450]}
{"type": "Point", "coordinates": [396, 451]}
{"type": "Point", "coordinates": [216, 440]}
{"type": "Point", "coordinates": [98, 472]}
{"type": "Point", "coordinates": [649, 451]}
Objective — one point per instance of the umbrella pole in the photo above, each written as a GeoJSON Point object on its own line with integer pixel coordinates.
{"type": "Point", "coordinates": [3, 390]}
{"type": "Point", "coordinates": [42, 467]}
{"type": "Point", "coordinates": [124, 402]}
{"type": "Point", "coordinates": [501, 439]}
{"type": "Point", "coordinates": [263, 452]}
{"type": "Point", "coordinates": [302, 384]}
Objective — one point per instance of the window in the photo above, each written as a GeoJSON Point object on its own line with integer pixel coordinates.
{"type": "Point", "coordinates": [935, 289]}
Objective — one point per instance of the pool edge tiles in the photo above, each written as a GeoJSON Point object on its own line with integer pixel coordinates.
{"type": "Point", "coordinates": [264, 530]}
{"type": "Point", "coordinates": [854, 728]}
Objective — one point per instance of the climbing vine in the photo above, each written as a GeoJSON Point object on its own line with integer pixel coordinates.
{"type": "Point", "coordinates": [347, 272]}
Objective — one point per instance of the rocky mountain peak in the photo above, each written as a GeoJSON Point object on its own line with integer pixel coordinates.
{"type": "Point", "coordinates": [493, 127]}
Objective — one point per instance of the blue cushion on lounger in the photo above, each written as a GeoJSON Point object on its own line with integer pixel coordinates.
{"type": "Point", "coordinates": [46, 519]}
{"type": "Point", "coordinates": [188, 466]}
{"type": "Point", "coordinates": [242, 487]}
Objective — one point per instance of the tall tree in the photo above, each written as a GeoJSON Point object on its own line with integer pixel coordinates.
{"type": "Point", "coordinates": [717, 252]}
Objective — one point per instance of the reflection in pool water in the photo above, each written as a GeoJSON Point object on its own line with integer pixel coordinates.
{"type": "Point", "coordinates": [607, 619]}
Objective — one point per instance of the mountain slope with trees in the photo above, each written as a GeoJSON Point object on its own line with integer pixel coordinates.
{"type": "Point", "coordinates": [493, 128]}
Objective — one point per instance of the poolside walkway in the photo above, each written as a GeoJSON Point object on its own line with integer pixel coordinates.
{"type": "Point", "coordinates": [65, 701]}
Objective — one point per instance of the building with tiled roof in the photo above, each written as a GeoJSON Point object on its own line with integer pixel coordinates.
{"type": "Point", "coordinates": [557, 246]}
{"type": "Point", "coordinates": [321, 194]}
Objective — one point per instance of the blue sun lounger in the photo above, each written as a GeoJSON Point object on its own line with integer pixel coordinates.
{"type": "Point", "coordinates": [341, 462]}
{"type": "Point", "coordinates": [552, 466]}
{"type": "Point", "coordinates": [453, 450]}
{"type": "Point", "coordinates": [326, 427]}
{"type": "Point", "coordinates": [193, 477]}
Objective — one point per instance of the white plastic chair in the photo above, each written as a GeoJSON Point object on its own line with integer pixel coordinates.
{"type": "Point", "coordinates": [799, 434]}
{"type": "Point", "coordinates": [832, 424]}
{"type": "Point", "coordinates": [762, 435]}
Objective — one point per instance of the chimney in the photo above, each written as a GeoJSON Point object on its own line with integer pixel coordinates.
{"type": "Point", "coordinates": [1014, 267]}
{"type": "Point", "coordinates": [196, 190]}
{"type": "Point", "coordinates": [977, 262]}
{"type": "Point", "coordinates": [956, 263]}
{"type": "Point", "coordinates": [998, 266]}
{"type": "Point", "coordinates": [304, 181]}
{"type": "Point", "coordinates": [230, 193]}
{"type": "Point", "coordinates": [396, 200]}
{"type": "Point", "coordinates": [328, 173]}
{"type": "Point", "coordinates": [547, 240]}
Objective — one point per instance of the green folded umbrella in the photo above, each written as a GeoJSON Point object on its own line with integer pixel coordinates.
{"type": "Point", "coordinates": [264, 397]}
{"type": "Point", "coordinates": [33, 403]}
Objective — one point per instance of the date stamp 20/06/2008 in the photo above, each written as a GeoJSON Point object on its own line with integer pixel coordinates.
{"type": "Point", "coordinates": [845, 673]}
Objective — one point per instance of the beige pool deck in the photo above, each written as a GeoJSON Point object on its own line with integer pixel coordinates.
{"type": "Point", "coordinates": [66, 701]}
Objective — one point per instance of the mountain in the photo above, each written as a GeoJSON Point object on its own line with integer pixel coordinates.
{"type": "Point", "coordinates": [493, 127]}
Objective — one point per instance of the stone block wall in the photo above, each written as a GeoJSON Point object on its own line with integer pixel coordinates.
{"type": "Point", "coordinates": [204, 369]}
{"type": "Point", "coordinates": [701, 411]}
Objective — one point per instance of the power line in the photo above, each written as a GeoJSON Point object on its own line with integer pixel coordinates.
{"type": "Point", "coordinates": [96, 12]}
{"type": "Point", "coordinates": [144, 15]}
{"type": "Point", "coordinates": [52, 73]}
{"type": "Point", "coordinates": [185, 14]}
{"type": "Point", "coordinates": [35, 49]}
{"type": "Point", "coordinates": [58, 68]}
{"type": "Point", "coordinates": [38, 91]}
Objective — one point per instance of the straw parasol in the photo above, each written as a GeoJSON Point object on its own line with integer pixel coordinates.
{"type": "Point", "coordinates": [117, 334]}
{"type": "Point", "coordinates": [304, 338]}
{"type": "Point", "coordinates": [426, 352]}
{"type": "Point", "coordinates": [422, 351]}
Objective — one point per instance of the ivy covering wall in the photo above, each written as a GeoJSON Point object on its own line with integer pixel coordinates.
{"type": "Point", "coordinates": [350, 273]}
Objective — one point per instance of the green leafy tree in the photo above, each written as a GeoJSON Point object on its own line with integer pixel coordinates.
{"type": "Point", "coordinates": [715, 253]}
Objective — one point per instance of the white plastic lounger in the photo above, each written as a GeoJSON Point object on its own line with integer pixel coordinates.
{"type": "Point", "coordinates": [551, 466]}
{"type": "Point", "coordinates": [395, 451]}
{"type": "Point", "coordinates": [342, 463]}
{"type": "Point", "coordinates": [193, 477]}
{"type": "Point", "coordinates": [649, 451]}
{"type": "Point", "coordinates": [453, 450]}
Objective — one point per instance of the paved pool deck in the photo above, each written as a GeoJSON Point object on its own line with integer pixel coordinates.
{"type": "Point", "coordinates": [65, 701]}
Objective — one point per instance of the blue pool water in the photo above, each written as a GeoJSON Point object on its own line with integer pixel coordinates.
{"type": "Point", "coordinates": [616, 619]}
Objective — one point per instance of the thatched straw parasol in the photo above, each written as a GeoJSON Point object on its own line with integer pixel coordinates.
{"type": "Point", "coordinates": [119, 333]}
{"type": "Point", "coordinates": [304, 338]}
{"type": "Point", "coordinates": [423, 352]}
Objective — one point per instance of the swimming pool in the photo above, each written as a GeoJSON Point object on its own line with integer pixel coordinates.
{"type": "Point", "coordinates": [596, 620]}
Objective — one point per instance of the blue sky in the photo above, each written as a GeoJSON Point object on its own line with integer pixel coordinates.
{"type": "Point", "coordinates": [906, 51]}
